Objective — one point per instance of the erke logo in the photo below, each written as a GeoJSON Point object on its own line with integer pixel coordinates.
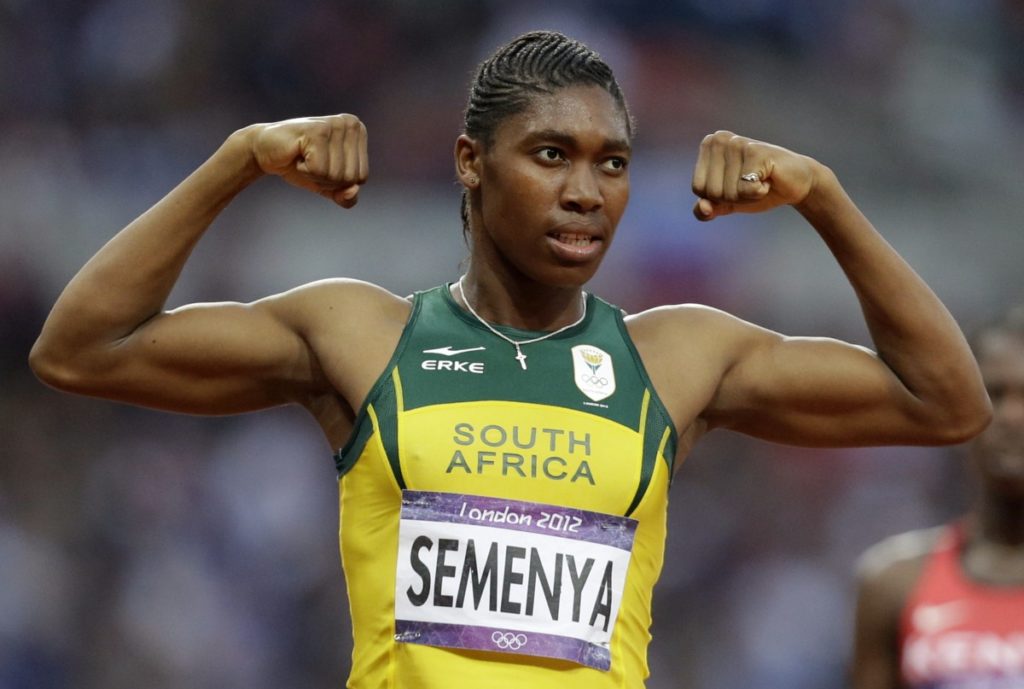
{"type": "Point", "coordinates": [593, 372]}
{"type": "Point", "coordinates": [452, 364]}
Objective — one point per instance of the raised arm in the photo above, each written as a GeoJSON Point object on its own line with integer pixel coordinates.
{"type": "Point", "coordinates": [109, 336]}
{"type": "Point", "coordinates": [921, 387]}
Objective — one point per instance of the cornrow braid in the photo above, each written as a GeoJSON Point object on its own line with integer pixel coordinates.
{"type": "Point", "coordinates": [539, 62]}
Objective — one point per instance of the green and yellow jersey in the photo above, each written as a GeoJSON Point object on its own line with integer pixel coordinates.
{"type": "Point", "coordinates": [503, 526]}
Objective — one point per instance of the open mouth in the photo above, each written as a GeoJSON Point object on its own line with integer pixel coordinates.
{"type": "Point", "coordinates": [577, 242]}
{"type": "Point", "coordinates": [574, 238]}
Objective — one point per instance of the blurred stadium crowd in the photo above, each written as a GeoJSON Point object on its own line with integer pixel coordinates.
{"type": "Point", "coordinates": [140, 549]}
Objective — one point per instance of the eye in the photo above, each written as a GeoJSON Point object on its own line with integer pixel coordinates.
{"type": "Point", "coordinates": [616, 165]}
{"type": "Point", "coordinates": [550, 154]}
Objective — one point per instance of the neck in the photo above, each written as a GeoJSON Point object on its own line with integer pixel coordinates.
{"type": "Point", "coordinates": [520, 303]}
{"type": "Point", "coordinates": [994, 552]}
{"type": "Point", "coordinates": [1000, 518]}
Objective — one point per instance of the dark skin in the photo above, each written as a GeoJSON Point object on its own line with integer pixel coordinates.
{"type": "Point", "coordinates": [546, 196]}
{"type": "Point", "coordinates": [994, 548]}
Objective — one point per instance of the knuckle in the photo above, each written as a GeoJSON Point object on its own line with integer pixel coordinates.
{"type": "Point", "coordinates": [349, 121]}
{"type": "Point", "coordinates": [317, 133]}
{"type": "Point", "coordinates": [714, 192]}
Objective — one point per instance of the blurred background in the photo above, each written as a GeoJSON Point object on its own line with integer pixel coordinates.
{"type": "Point", "coordinates": [141, 549]}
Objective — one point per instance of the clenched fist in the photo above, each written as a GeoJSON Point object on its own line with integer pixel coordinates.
{"type": "Point", "coordinates": [737, 174]}
{"type": "Point", "coordinates": [326, 155]}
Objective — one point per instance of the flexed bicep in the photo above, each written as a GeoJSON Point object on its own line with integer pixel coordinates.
{"type": "Point", "coordinates": [109, 333]}
{"type": "Point", "coordinates": [203, 358]}
{"type": "Point", "coordinates": [818, 392]}
{"type": "Point", "coordinates": [923, 387]}
{"type": "Point", "coordinates": [330, 337]}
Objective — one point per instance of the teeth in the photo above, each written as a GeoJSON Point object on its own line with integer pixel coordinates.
{"type": "Point", "coordinates": [575, 239]}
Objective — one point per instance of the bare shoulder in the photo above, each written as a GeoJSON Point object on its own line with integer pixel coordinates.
{"type": "Point", "coordinates": [351, 328]}
{"type": "Point", "coordinates": [338, 301]}
{"type": "Point", "coordinates": [679, 315]}
{"type": "Point", "coordinates": [697, 324]}
{"type": "Point", "coordinates": [667, 335]}
{"type": "Point", "coordinates": [886, 575]}
{"type": "Point", "coordinates": [687, 349]}
{"type": "Point", "coordinates": [897, 560]}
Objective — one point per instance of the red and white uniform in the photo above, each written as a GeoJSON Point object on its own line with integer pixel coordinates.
{"type": "Point", "coordinates": [957, 633]}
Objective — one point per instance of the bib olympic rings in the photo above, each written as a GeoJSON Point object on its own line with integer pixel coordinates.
{"type": "Point", "coordinates": [509, 640]}
{"type": "Point", "coordinates": [594, 380]}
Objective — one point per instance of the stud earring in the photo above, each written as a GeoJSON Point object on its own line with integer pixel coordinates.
{"type": "Point", "coordinates": [473, 180]}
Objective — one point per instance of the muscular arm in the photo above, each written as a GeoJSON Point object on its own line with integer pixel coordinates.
{"type": "Point", "coordinates": [922, 386]}
{"type": "Point", "coordinates": [109, 336]}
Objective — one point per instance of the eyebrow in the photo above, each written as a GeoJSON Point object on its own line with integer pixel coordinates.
{"type": "Point", "coordinates": [570, 141]}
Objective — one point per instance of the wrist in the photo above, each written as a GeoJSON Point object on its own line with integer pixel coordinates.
{"type": "Point", "coordinates": [236, 154]}
{"type": "Point", "coordinates": [825, 192]}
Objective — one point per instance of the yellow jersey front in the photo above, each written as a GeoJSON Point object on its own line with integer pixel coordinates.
{"type": "Point", "coordinates": [503, 520]}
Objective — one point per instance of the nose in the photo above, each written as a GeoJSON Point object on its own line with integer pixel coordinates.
{"type": "Point", "coordinates": [582, 192]}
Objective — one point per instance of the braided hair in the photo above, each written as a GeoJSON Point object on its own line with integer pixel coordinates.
{"type": "Point", "coordinates": [539, 62]}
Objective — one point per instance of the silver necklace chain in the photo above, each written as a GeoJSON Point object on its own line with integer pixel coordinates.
{"type": "Point", "coordinates": [520, 357]}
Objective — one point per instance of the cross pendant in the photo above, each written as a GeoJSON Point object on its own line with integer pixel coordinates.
{"type": "Point", "coordinates": [520, 357]}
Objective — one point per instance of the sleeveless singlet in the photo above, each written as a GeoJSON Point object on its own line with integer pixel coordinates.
{"type": "Point", "coordinates": [502, 526]}
{"type": "Point", "coordinates": [957, 633]}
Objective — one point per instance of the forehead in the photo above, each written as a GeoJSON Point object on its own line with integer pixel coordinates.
{"type": "Point", "coordinates": [580, 112]}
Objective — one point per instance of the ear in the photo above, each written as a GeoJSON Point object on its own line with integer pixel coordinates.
{"type": "Point", "coordinates": [467, 161]}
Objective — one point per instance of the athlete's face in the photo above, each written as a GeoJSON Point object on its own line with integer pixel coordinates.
{"type": "Point", "coordinates": [553, 185]}
{"type": "Point", "coordinates": [999, 451]}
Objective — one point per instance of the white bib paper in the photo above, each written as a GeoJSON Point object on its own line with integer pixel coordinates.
{"type": "Point", "coordinates": [510, 576]}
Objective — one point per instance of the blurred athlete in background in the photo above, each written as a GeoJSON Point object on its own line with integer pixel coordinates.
{"type": "Point", "coordinates": [944, 607]}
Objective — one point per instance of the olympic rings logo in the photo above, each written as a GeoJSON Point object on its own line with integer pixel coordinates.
{"type": "Point", "coordinates": [508, 640]}
{"type": "Point", "coordinates": [594, 380]}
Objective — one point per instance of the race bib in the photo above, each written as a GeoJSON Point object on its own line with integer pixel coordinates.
{"type": "Point", "coordinates": [491, 574]}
